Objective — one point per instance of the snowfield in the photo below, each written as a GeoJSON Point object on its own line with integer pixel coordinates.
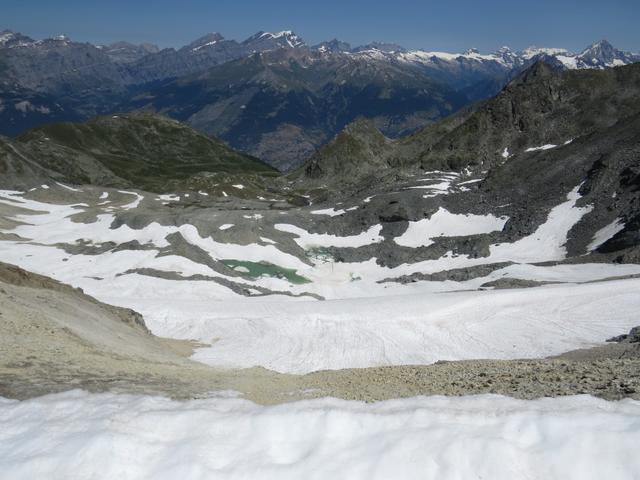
{"type": "Point", "coordinates": [106, 436]}
{"type": "Point", "coordinates": [304, 336]}
{"type": "Point", "coordinates": [364, 321]}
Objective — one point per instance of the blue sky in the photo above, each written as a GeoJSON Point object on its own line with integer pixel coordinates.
{"type": "Point", "coordinates": [443, 25]}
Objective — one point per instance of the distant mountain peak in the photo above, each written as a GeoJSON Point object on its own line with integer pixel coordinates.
{"type": "Point", "coordinates": [534, 51]}
{"type": "Point", "coordinates": [56, 41]}
{"type": "Point", "coordinates": [601, 43]}
{"type": "Point", "coordinates": [381, 46]}
{"type": "Point", "coordinates": [284, 33]}
{"type": "Point", "coordinates": [6, 36]}
{"type": "Point", "coordinates": [124, 44]}
{"type": "Point", "coordinates": [127, 52]}
{"type": "Point", "coordinates": [283, 39]}
{"type": "Point", "coordinates": [603, 54]}
{"type": "Point", "coordinates": [335, 46]}
{"type": "Point", "coordinates": [205, 41]}
{"type": "Point", "coordinates": [602, 47]}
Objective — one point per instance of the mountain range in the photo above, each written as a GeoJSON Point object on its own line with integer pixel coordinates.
{"type": "Point", "coordinates": [271, 95]}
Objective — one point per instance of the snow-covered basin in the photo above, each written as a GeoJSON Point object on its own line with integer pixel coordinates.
{"type": "Point", "coordinates": [401, 324]}
{"type": "Point", "coordinates": [364, 323]}
{"type": "Point", "coordinates": [50, 224]}
{"type": "Point", "coordinates": [106, 436]}
{"type": "Point", "coordinates": [303, 336]}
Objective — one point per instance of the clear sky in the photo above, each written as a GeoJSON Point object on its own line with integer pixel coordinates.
{"type": "Point", "coordinates": [450, 25]}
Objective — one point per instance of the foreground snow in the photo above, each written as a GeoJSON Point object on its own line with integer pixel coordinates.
{"type": "Point", "coordinates": [80, 435]}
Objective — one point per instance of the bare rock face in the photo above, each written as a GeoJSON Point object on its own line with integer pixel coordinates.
{"type": "Point", "coordinates": [126, 53]}
{"type": "Point", "coordinates": [632, 337]}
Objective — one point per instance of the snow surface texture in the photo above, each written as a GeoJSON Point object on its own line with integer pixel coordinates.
{"type": "Point", "coordinates": [301, 337]}
{"type": "Point", "coordinates": [364, 322]}
{"type": "Point", "coordinates": [107, 436]}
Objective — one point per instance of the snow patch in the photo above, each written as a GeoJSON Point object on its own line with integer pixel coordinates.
{"type": "Point", "coordinates": [549, 240]}
{"type": "Point", "coordinates": [308, 240]}
{"type": "Point", "coordinates": [133, 204]}
{"type": "Point", "coordinates": [67, 187]}
{"type": "Point", "coordinates": [332, 212]}
{"type": "Point", "coordinates": [445, 224]}
{"type": "Point", "coordinates": [548, 146]}
{"type": "Point", "coordinates": [169, 197]}
{"type": "Point", "coordinates": [605, 234]}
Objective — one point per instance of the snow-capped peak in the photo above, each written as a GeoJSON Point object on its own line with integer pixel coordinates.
{"type": "Point", "coordinates": [58, 40]}
{"type": "Point", "coordinates": [288, 36]}
{"type": "Point", "coordinates": [284, 33]}
{"type": "Point", "coordinates": [334, 45]}
{"type": "Point", "coordinates": [381, 47]}
{"type": "Point", "coordinates": [599, 55]}
{"type": "Point", "coordinates": [9, 39]}
{"type": "Point", "coordinates": [206, 41]}
{"type": "Point", "coordinates": [602, 45]}
{"type": "Point", "coordinates": [534, 51]}
{"type": "Point", "coordinates": [604, 55]}
{"type": "Point", "coordinates": [6, 36]}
